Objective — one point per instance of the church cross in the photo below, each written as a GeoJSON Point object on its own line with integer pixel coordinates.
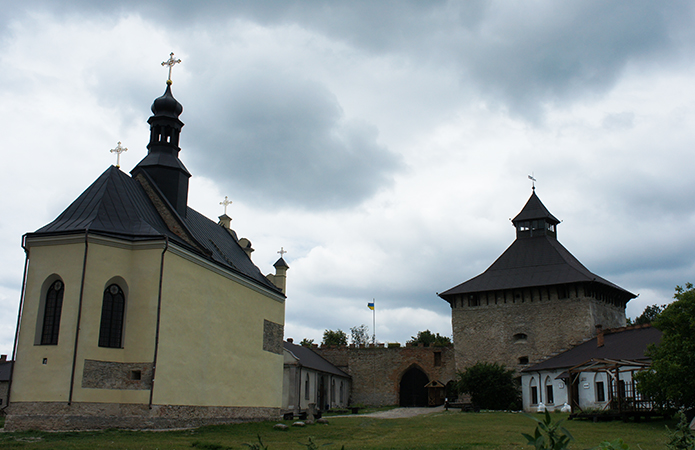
{"type": "Point", "coordinates": [171, 62]}
{"type": "Point", "coordinates": [282, 251]}
{"type": "Point", "coordinates": [226, 202]}
{"type": "Point", "coordinates": [118, 150]}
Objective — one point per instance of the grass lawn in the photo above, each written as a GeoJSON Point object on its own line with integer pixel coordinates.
{"type": "Point", "coordinates": [445, 430]}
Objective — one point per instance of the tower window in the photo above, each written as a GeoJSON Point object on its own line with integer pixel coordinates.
{"type": "Point", "coordinates": [112, 309]}
{"type": "Point", "coordinates": [520, 337]}
{"type": "Point", "coordinates": [51, 315]}
{"type": "Point", "coordinates": [437, 359]}
{"type": "Point", "coordinates": [523, 360]}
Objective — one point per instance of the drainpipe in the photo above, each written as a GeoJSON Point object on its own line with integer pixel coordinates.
{"type": "Point", "coordinates": [22, 295]}
{"type": "Point", "coordinates": [79, 315]}
{"type": "Point", "coordinates": [159, 315]}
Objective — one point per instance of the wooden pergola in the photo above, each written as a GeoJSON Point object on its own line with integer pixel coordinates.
{"type": "Point", "coordinates": [624, 400]}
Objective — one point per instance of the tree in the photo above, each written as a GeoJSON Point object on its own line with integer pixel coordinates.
{"type": "Point", "coordinates": [671, 381]}
{"type": "Point", "coordinates": [648, 315]}
{"type": "Point", "coordinates": [490, 385]}
{"type": "Point", "coordinates": [359, 335]}
{"type": "Point", "coordinates": [306, 342]}
{"type": "Point", "coordinates": [331, 337]}
{"type": "Point", "coordinates": [428, 338]}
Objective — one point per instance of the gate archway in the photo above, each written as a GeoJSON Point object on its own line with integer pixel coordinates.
{"type": "Point", "coordinates": [412, 388]}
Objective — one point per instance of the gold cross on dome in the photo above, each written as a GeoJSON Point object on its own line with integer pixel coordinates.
{"type": "Point", "coordinates": [226, 202]}
{"type": "Point", "coordinates": [171, 62]}
{"type": "Point", "coordinates": [282, 251]}
{"type": "Point", "coordinates": [118, 150]}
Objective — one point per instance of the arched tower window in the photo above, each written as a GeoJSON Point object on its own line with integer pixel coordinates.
{"type": "Point", "coordinates": [51, 314]}
{"type": "Point", "coordinates": [112, 310]}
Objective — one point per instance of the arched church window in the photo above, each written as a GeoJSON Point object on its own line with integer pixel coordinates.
{"type": "Point", "coordinates": [112, 310]}
{"type": "Point", "coordinates": [51, 315]}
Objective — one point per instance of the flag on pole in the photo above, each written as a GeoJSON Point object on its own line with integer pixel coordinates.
{"type": "Point", "coordinates": [370, 305]}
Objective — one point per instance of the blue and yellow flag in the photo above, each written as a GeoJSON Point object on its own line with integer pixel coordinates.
{"type": "Point", "coordinates": [370, 306]}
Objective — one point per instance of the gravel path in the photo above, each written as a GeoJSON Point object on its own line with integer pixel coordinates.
{"type": "Point", "coordinates": [400, 413]}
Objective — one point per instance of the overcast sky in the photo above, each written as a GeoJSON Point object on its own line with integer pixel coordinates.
{"type": "Point", "coordinates": [384, 145]}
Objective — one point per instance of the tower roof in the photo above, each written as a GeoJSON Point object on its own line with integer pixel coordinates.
{"type": "Point", "coordinates": [534, 210]}
{"type": "Point", "coordinates": [533, 259]}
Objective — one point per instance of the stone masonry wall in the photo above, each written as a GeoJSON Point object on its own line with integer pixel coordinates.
{"type": "Point", "coordinates": [520, 334]}
{"type": "Point", "coordinates": [377, 371]}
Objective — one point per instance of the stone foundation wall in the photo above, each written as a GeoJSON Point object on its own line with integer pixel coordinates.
{"type": "Point", "coordinates": [377, 371]}
{"type": "Point", "coordinates": [54, 416]}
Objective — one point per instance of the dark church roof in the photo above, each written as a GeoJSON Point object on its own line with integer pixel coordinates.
{"type": "Point", "coordinates": [621, 344]}
{"type": "Point", "coordinates": [532, 261]}
{"type": "Point", "coordinates": [311, 360]}
{"type": "Point", "coordinates": [135, 208]}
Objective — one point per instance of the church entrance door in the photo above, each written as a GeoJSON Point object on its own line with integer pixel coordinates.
{"type": "Point", "coordinates": [412, 388]}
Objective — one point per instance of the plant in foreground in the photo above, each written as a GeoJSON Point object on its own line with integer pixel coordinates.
{"type": "Point", "coordinates": [617, 444]}
{"type": "Point", "coordinates": [682, 438]}
{"type": "Point", "coordinates": [258, 446]}
{"type": "Point", "coordinates": [549, 435]}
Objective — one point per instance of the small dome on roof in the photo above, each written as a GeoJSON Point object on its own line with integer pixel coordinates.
{"type": "Point", "coordinates": [167, 105]}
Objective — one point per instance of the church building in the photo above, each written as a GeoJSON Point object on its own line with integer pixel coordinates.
{"type": "Point", "coordinates": [533, 302]}
{"type": "Point", "coordinates": [139, 312]}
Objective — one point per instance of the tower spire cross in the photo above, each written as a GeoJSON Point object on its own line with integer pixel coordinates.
{"type": "Point", "coordinates": [171, 62]}
{"type": "Point", "coordinates": [282, 251]}
{"type": "Point", "coordinates": [226, 202]}
{"type": "Point", "coordinates": [118, 150]}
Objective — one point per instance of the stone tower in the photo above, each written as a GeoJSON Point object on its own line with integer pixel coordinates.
{"type": "Point", "coordinates": [535, 300]}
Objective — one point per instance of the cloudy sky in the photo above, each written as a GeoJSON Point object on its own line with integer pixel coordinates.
{"type": "Point", "coordinates": [385, 145]}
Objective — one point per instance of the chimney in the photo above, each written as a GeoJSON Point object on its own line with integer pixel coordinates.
{"type": "Point", "coordinates": [290, 340]}
{"type": "Point", "coordinates": [280, 277]}
{"type": "Point", "coordinates": [599, 335]}
{"type": "Point", "coordinates": [3, 358]}
{"type": "Point", "coordinates": [225, 221]}
{"type": "Point", "coordinates": [246, 245]}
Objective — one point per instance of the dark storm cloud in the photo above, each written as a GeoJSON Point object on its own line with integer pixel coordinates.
{"type": "Point", "coordinates": [284, 141]}
{"type": "Point", "coordinates": [522, 56]}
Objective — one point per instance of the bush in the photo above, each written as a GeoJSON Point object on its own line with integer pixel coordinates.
{"type": "Point", "coordinates": [490, 385]}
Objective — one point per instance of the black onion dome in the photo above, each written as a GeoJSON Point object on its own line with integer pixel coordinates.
{"type": "Point", "coordinates": [167, 105]}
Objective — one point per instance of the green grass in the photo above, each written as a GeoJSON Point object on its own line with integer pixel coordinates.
{"type": "Point", "coordinates": [445, 430]}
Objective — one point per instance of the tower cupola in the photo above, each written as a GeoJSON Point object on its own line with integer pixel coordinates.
{"type": "Point", "coordinates": [162, 162]}
{"type": "Point", "coordinates": [535, 220]}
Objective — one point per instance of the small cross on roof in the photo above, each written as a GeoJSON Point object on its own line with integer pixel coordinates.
{"type": "Point", "coordinates": [282, 251]}
{"type": "Point", "coordinates": [226, 202]}
{"type": "Point", "coordinates": [118, 150]}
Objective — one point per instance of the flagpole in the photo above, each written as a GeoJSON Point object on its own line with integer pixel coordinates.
{"type": "Point", "coordinates": [374, 322]}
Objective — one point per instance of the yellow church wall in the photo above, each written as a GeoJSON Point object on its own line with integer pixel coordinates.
{"type": "Point", "coordinates": [211, 336]}
{"type": "Point", "coordinates": [32, 379]}
{"type": "Point", "coordinates": [211, 340]}
{"type": "Point", "coordinates": [136, 271]}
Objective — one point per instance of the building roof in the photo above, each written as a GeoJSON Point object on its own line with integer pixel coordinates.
{"type": "Point", "coordinates": [538, 261]}
{"type": "Point", "coordinates": [311, 360]}
{"type": "Point", "coordinates": [151, 204]}
{"type": "Point", "coordinates": [117, 205]}
{"type": "Point", "coordinates": [533, 260]}
{"type": "Point", "coordinates": [628, 343]}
